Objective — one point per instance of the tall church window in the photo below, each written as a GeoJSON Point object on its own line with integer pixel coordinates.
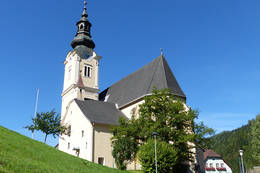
{"type": "Point", "coordinates": [87, 71]}
{"type": "Point", "coordinates": [82, 133]}
{"type": "Point", "coordinates": [68, 145]}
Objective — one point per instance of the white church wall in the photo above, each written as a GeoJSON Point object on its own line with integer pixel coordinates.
{"type": "Point", "coordinates": [71, 70]}
{"type": "Point", "coordinates": [128, 110]}
{"type": "Point", "coordinates": [81, 136]}
{"type": "Point", "coordinates": [66, 100]}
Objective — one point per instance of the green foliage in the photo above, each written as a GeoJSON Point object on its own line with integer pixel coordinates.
{"type": "Point", "coordinates": [20, 154]}
{"type": "Point", "coordinates": [48, 123]}
{"type": "Point", "coordinates": [201, 130]}
{"type": "Point", "coordinates": [228, 143]}
{"type": "Point", "coordinates": [166, 156]}
{"type": "Point", "coordinates": [123, 150]}
{"type": "Point", "coordinates": [124, 145]}
{"type": "Point", "coordinates": [163, 113]}
{"type": "Point", "coordinates": [255, 142]}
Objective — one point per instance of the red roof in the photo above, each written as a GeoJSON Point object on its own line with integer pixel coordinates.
{"type": "Point", "coordinates": [210, 153]}
{"type": "Point", "coordinates": [80, 82]}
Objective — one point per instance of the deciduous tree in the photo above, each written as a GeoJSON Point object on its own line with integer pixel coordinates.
{"type": "Point", "coordinates": [164, 113]}
{"type": "Point", "coordinates": [48, 123]}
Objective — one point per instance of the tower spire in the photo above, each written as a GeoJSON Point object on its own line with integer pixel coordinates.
{"type": "Point", "coordinates": [84, 13]}
{"type": "Point", "coordinates": [83, 36]}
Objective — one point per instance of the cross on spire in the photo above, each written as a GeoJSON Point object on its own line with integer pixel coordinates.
{"type": "Point", "coordinates": [84, 13]}
{"type": "Point", "coordinates": [85, 4]}
{"type": "Point", "coordinates": [161, 51]}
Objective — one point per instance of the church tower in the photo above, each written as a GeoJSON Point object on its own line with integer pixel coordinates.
{"type": "Point", "coordinates": [81, 66]}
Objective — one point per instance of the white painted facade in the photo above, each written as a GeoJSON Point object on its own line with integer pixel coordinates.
{"type": "Point", "coordinates": [216, 165]}
{"type": "Point", "coordinates": [80, 140]}
{"type": "Point", "coordinates": [81, 135]}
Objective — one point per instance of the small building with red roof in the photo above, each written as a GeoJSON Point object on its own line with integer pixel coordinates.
{"type": "Point", "coordinates": [211, 162]}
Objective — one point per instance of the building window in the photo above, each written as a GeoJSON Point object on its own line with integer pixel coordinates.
{"type": "Point", "coordinates": [86, 145]}
{"type": "Point", "coordinates": [211, 165]}
{"type": "Point", "coordinates": [222, 165]}
{"type": "Point", "coordinates": [87, 71]}
{"type": "Point", "coordinates": [69, 73]}
{"type": "Point", "coordinates": [68, 145]}
{"type": "Point", "coordinates": [69, 130]}
{"type": "Point", "coordinates": [82, 133]}
{"type": "Point", "coordinates": [217, 165]}
{"type": "Point", "coordinates": [81, 26]}
{"type": "Point", "coordinates": [101, 160]}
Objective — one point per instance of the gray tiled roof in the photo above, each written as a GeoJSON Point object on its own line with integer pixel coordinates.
{"type": "Point", "coordinates": [100, 112]}
{"type": "Point", "coordinates": [140, 83]}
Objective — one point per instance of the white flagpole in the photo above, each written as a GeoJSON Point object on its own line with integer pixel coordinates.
{"type": "Point", "coordinates": [36, 104]}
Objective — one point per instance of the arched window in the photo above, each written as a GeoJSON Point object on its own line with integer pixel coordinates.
{"type": "Point", "coordinates": [81, 26]}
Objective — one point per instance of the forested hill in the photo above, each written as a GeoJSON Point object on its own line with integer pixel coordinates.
{"type": "Point", "coordinates": [228, 143]}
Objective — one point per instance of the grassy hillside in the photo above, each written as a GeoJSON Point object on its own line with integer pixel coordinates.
{"type": "Point", "coordinates": [20, 154]}
{"type": "Point", "coordinates": [228, 143]}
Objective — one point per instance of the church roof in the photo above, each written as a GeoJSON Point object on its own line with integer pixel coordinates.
{"type": "Point", "coordinates": [140, 83]}
{"type": "Point", "coordinates": [100, 112]}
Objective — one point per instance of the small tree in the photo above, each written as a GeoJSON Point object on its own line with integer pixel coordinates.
{"type": "Point", "coordinates": [124, 143]}
{"type": "Point", "coordinates": [166, 157]}
{"type": "Point", "coordinates": [48, 123]}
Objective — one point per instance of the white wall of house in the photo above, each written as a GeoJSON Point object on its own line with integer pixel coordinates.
{"type": "Point", "coordinates": [217, 162]}
{"type": "Point", "coordinates": [81, 134]}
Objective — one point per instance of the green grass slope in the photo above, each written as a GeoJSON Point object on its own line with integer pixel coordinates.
{"type": "Point", "coordinates": [20, 154]}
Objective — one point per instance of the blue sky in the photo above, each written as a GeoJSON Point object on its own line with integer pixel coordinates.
{"type": "Point", "coordinates": [212, 47]}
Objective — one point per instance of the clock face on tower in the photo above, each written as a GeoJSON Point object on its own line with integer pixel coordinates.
{"type": "Point", "coordinates": [84, 52]}
{"type": "Point", "coordinates": [86, 55]}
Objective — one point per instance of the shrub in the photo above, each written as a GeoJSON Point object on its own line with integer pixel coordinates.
{"type": "Point", "coordinates": [166, 157]}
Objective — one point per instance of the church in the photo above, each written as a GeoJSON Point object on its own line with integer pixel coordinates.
{"type": "Point", "coordinates": [89, 112]}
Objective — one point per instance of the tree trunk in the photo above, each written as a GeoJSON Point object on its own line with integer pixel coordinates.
{"type": "Point", "coordinates": [45, 138]}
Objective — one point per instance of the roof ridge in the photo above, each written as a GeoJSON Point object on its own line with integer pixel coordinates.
{"type": "Point", "coordinates": [165, 64]}
{"type": "Point", "coordinates": [148, 88]}
{"type": "Point", "coordinates": [91, 100]}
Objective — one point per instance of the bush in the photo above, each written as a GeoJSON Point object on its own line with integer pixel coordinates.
{"type": "Point", "coordinates": [122, 152]}
{"type": "Point", "coordinates": [166, 157]}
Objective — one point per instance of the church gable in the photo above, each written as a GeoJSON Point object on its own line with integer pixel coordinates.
{"type": "Point", "coordinates": [140, 83]}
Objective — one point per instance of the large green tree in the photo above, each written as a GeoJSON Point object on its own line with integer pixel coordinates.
{"type": "Point", "coordinates": [174, 123]}
{"type": "Point", "coordinates": [48, 123]}
{"type": "Point", "coordinates": [255, 142]}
